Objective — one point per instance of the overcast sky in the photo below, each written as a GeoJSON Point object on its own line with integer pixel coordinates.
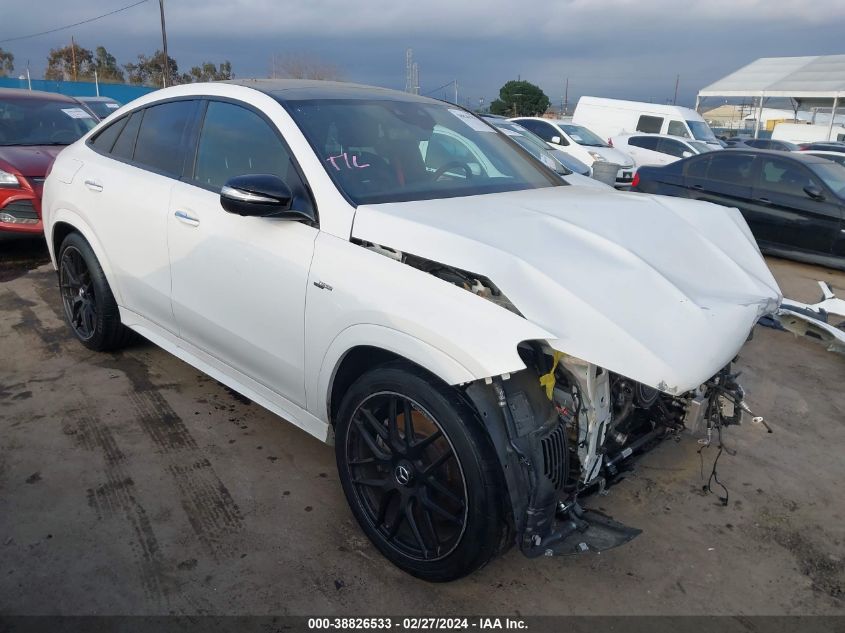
{"type": "Point", "coordinates": [614, 48]}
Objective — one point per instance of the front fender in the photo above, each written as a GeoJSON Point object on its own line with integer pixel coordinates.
{"type": "Point", "coordinates": [358, 297]}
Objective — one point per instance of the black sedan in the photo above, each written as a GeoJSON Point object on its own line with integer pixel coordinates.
{"type": "Point", "coordinates": [794, 203]}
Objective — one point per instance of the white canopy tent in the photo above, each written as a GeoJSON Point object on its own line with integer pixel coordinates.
{"type": "Point", "coordinates": [817, 81]}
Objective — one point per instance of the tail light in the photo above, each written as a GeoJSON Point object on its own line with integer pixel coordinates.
{"type": "Point", "coordinates": [636, 181]}
{"type": "Point", "coordinates": [610, 142]}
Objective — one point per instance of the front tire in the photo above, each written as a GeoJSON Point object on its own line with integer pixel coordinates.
{"type": "Point", "coordinates": [419, 473]}
{"type": "Point", "coordinates": [89, 306]}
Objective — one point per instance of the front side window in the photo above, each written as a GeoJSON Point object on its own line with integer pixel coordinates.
{"type": "Point", "coordinates": [672, 147]}
{"type": "Point", "coordinates": [545, 131]}
{"type": "Point", "coordinates": [393, 151]}
{"type": "Point", "coordinates": [677, 128]}
{"type": "Point", "coordinates": [649, 124]}
{"type": "Point", "coordinates": [784, 177]}
{"type": "Point", "coordinates": [235, 141]}
{"type": "Point", "coordinates": [28, 121]}
{"type": "Point", "coordinates": [833, 175]}
{"type": "Point", "coordinates": [162, 137]}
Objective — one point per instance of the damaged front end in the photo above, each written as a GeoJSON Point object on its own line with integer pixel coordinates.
{"type": "Point", "coordinates": [564, 428]}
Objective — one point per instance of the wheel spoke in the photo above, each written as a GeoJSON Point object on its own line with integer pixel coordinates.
{"type": "Point", "coordinates": [428, 522]}
{"type": "Point", "coordinates": [393, 528]}
{"type": "Point", "coordinates": [393, 427]}
{"type": "Point", "coordinates": [382, 484]}
{"type": "Point", "coordinates": [434, 507]}
{"type": "Point", "coordinates": [412, 522]}
{"type": "Point", "coordinates": [89, 317]}
{"type": "Point", "coordinates": [407, 413]}
{"type": "Point", "coordinates": [436, 485]}
{"type": "Point", "coordinates": [437, 463]}
{"type": "Point", "coordinates": [423, 444]}
{"type": "Point", "coordinates": [377, 426]}
{"type": "Point", "coordinates": [371, 442]}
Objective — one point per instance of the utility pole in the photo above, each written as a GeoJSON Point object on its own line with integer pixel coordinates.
{"type": "Point", "coordinates": [566, 97]}
{"type": "Point", "coordinates": [675, 98]}
{"type": "Point", "coordinates": [166, 65]}
{"type": "Point", "coordinates": [73, 55]}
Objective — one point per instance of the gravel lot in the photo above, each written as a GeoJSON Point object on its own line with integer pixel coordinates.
{"type": "Point", "coordinates": [132, 484]}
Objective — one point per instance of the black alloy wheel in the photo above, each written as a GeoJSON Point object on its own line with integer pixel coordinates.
{"type": "Point", "coordinates": [406, 476]}
{"type": "Point", "coordinates": [78, 294]}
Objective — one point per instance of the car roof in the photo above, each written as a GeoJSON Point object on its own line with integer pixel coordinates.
{"type": "Point", "coordinates": [87, 98]}
{"type": "Point", "coordinates": [672, 136]}
{"type": "Point", "coordinates": [20, 93]}
{"type": "Point", "coordinates": [801, 157]}
{"type": "Point", "coordinates": [304, 89]}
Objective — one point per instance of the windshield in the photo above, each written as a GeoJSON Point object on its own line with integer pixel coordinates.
{"type": "Point", "coordinates": [397, 151]}
{"type": "Point", "coordinates": [532, 144]}
{"type": "Point", "coordinates": [700, 147]}
{"type": "Point", "coordinates": [42, 122]}
{"type": "Point", "coordinates": [701, 131]}
{"type": "Point", "coordinates": [582, 135]}
{"type": "Point", "coordinates": [833, 176]}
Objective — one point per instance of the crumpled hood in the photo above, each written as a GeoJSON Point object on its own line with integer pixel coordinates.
{"type": "Point", "coordinates": [30, 160]}
{"type": "Point", "coordinates": [662, 290]}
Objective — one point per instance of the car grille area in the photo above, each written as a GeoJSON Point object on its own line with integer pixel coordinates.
{"type": "Point", "coordinates": [19, 212]}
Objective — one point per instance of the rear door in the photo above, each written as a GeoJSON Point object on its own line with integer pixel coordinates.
{"type": "Point", "coordinates": [722, 178]}
{"type": "Point", "coordinates": [127, 191]}
{"type": "Point", "coordinates": [789, 216]}
{"type": "Point", "coordinates": [644, 151]}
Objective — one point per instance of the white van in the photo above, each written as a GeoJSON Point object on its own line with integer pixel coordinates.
{"type": "Point", "coordinates": [806, 133]}
{"type": "Point", "coordinates": [613, 117]}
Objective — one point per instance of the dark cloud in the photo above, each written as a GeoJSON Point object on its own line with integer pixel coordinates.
{"type": "Point", "coordinates": [616, 48]}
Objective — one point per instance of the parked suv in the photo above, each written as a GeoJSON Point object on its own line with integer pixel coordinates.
{"type": "Point", "coordinates": [34, 127]}
{"type": "Point", "coordinates": [481, 341]}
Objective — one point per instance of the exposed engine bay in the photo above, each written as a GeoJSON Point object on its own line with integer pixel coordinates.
{"type": "Point", "coordinates": [564, 428]}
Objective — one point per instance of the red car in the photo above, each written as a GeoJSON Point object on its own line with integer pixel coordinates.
{"type": "Point", "coordinates": [34, 127]}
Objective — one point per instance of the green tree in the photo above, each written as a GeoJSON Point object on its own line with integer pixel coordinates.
{"type": "Point", "coordinates": [150, 70]}
{"type": "Point", "coordinates": [70, 63]}
{"type": "Point", "coordinates": [106, 66]}
{"type": "Point", "coordinates": [7, 63]}
{"type": "Point", "coordinates": [208, 71]}
{"type": "Point", "coordinates": [520, 98]}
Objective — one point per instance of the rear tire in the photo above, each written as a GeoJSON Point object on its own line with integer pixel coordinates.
{"type": "Point", "coordinates": [89, 306]}
{"type": "Point", "coordinates": [428, 494]}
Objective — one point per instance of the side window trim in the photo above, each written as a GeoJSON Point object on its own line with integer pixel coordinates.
{"type": "Point", "coordinates": [191, 165]}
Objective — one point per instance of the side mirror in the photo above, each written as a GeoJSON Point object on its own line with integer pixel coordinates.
{"type": "Point", "coordinates": [259, 195]}
{"type": "Point", "coordinates": [814, 192]}
{"type": "Point", "coordinates": [687, 154]}
{"type": "Point", "coordinates": [555, 140]}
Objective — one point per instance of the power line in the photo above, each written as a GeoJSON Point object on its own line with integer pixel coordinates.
{"type": "Point", "coordinates": [70, 26]}
{"type": "Point", "coordinates": [425, 94]}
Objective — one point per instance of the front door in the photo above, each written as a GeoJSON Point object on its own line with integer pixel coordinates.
{"type": "Point", "coordinates": [239, 283]}
{"type": "Point", "coordinates": [797, 220]}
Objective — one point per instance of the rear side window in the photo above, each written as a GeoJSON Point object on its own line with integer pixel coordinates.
{"type": "Point", "coordinates": [649, 124]}
{"type": "Point", "coordinates": [125, 144]}
{"type": "Point", "coordinates": [697, 168]}
{"type": "Point", "coordinates": [730, 167]}
{"type": "Point", "coordinates": [677, 128]}
{"type": "Point", "coordinates": [646, 142]}
{"type": "Point", "coordinates": [105, 139]}
{"type": "Point", "coordinates": [162, 139]}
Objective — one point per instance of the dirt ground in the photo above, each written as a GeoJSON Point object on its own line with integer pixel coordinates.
{"type": "Point", "coordinates": [132, 484]}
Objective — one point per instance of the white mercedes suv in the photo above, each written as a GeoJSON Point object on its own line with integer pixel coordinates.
{"type": "Point", "coordinates": [482, 342]}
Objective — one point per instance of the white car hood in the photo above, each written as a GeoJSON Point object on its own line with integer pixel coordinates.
{"type": "Point", "coordinates": [662, 290]}
{"type": "Point", "coordinates": [613, 155]}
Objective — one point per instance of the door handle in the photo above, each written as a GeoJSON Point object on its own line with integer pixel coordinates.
{"type": "Point", "coordinates": [698, 187]}
{"type": "Point", "coordinates": [187, 218]}
{"type": "Point", "coordinates": [764, 201]}
{"type": "Point", "coordinates": [93, 185]}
